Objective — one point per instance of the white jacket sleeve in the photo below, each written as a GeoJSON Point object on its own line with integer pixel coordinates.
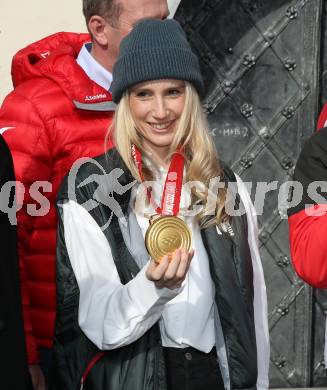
{"type": "Point", "coordinates": [110, 314]}
{"type": "Point", "coordinates": [260, 294]}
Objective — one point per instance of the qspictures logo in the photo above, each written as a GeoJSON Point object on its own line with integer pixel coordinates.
{"type": "Point", "coordinates": [107, 188]}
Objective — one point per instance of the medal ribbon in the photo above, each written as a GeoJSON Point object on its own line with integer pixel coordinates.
{"type": "Point", "coordinates": [173, 185]}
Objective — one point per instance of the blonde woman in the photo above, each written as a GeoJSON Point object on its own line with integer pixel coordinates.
{"type": "Point", "coordinates": [159, 286]}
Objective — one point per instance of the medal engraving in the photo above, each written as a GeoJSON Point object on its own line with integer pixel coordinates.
{"type": "Point", "coordinates": [166, 234]}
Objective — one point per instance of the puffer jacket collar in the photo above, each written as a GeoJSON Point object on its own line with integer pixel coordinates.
{"type": "Point", "coordinates": [54, 58]}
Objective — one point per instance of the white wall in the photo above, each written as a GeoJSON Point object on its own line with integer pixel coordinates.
{"type": "Point", "coordinates": [24, 22]}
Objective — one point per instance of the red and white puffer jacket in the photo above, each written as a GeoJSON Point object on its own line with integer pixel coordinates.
{"type": "Point", "coordinates": [308, 218]}
{"type": "Point", "coordinates": [54, 116]}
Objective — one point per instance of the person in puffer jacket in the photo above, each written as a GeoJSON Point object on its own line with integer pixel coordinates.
{"type": "Point", "coordinates": [308, 219]}
{"type": "Point", "coordinates": [60, 110]}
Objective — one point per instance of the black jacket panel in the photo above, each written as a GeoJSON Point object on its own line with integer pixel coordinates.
{"type": "Point", "coordinates": [13, 364]}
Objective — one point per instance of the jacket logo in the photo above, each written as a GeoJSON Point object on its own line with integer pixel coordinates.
{"type": "Point", "coordinates": [95, 97]}
{"type": "Point", "coordinates": [45, 54]}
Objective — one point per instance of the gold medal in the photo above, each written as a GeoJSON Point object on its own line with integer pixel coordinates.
{"type": "Point", "coordinates": [165, 234]}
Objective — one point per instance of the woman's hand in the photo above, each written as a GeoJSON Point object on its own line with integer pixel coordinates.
{"type": "Point", "coordinates": [170, 274]}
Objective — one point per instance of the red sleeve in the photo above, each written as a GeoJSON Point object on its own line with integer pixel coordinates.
{"type": "Point", "coordinates": [308, 219]}
{"type": "Point", "coordinates": [322, 120]}
{"type": "Point", "coordinates": [23, 130]}
{"type": "Point", "coordinates": [309, 244]}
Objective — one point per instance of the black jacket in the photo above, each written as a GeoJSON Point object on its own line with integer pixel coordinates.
{"type": "Point", "coordinates": [140, 365]}
{"type": "Point", "coordinates": [13, 366]}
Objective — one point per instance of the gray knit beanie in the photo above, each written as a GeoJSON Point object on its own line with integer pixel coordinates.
{"type": "Point", "coordinates": [155, 49]}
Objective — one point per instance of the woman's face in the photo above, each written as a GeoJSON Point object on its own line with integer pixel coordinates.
{"type": "Point", "coordinates": [156, 107]}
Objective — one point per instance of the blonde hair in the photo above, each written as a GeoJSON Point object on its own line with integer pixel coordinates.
{"type": "Point", "coordinates": [192, 135]}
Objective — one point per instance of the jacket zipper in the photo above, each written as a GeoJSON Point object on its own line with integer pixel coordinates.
{"type": "Point", "coordinates": [89, 367]}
